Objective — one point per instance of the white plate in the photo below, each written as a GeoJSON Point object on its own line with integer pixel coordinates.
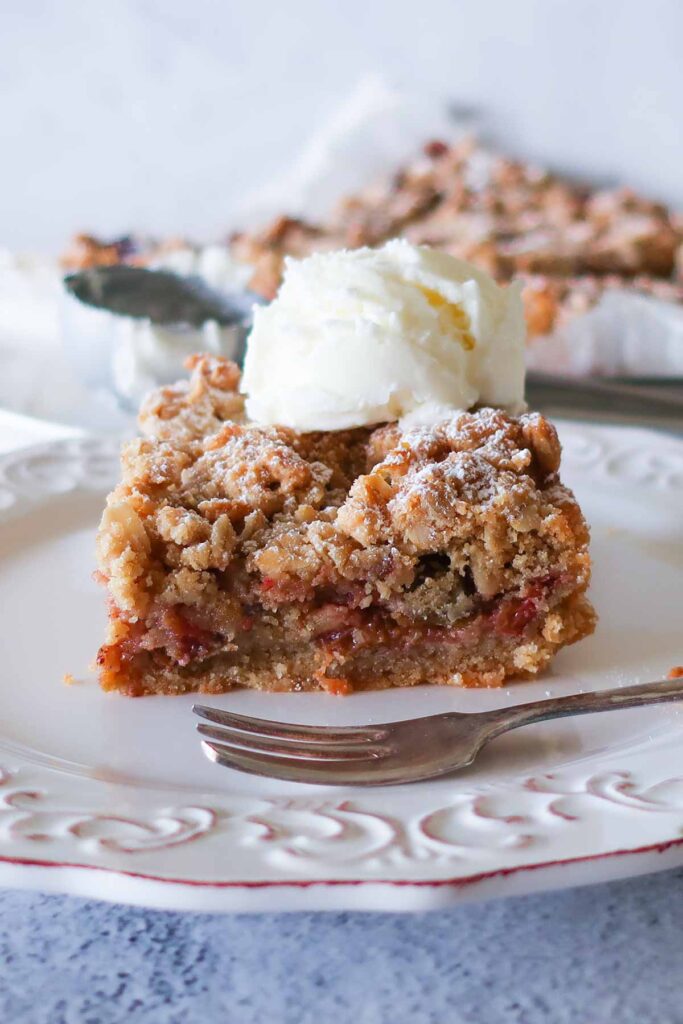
{"type": "Point", "coordinates": [112, 798]}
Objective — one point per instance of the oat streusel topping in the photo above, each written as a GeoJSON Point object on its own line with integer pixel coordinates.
{"type": "Point", "coordinates": [221, 528]}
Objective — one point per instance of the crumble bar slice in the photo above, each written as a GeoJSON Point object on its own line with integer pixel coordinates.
{"type": "Point", "coordinates": [241, 555]}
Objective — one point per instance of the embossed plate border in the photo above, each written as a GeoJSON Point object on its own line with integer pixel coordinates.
{"type": "Point", "coordinates": [63, 829]}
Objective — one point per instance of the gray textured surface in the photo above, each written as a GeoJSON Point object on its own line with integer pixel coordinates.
{"type": "Point", "coordinates": [590, 956]}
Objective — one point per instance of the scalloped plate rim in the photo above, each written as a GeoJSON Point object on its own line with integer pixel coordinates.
{"type": "Point", "coordinates": [106, 874]}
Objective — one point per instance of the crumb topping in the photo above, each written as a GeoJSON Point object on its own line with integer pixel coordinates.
{"type": "Point", "coordinates": [195, 407]}
{"type": "Point", "coordinates": [237, 554]}
{"type": "Point", "coordinates": [426, 523]}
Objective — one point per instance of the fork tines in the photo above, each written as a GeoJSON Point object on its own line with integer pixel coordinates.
{"type": "Point", "coordinates": [295, 752]}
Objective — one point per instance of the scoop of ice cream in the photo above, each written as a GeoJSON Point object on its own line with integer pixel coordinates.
{"type": "Point", "coordinates": [365, 336]}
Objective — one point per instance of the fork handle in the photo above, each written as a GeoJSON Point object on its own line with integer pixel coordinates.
{"type": "Point", "coordinates": [639, 696]}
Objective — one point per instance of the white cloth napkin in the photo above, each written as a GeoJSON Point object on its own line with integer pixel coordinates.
{"type": "Point", "coordinates": [36, 376]}
{"type": "Point", "coordinates": [18, 431]}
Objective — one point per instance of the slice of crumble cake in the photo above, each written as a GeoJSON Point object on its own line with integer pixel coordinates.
{"type": "Point", "coordinates": [241, 555]}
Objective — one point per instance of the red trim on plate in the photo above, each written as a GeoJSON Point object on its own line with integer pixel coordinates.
{"type": "Point", "coordinates": [437, 883]}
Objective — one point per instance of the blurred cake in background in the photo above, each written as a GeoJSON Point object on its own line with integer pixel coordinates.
{"type": "Point", "coordinates": [578, 251]}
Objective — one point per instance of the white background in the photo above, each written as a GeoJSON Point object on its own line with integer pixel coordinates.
{"type": "Point", "coordinates": [160, 114]}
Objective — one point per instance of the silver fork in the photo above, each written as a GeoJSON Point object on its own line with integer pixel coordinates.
{"type": "Point", "coordinates": [394, 752]}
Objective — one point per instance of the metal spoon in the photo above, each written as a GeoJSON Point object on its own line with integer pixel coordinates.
{"type": "Point", "coordinates": [159, 295]}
